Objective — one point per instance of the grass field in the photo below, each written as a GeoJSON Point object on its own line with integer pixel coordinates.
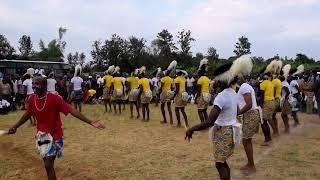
{"type": "Point", "coordinates": [131, 149]}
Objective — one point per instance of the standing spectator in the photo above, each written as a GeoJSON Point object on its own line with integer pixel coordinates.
{"type": "Point", "coordinates": [51, 84]}
{"type": "Point", "coordinates": [21, 94]}
{"type": "Point", "coordinates": [190, 86]}
{"type": "Point", "coordinates": [27, 83]}
{"type": "Point", "coordinates": [62, 88]}
{"type": "Point", "coordinates": [100, 83]}
{"type": "Point", "coordinates": [317, 93]}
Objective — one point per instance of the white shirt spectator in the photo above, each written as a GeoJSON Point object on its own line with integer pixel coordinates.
{"type": "Point", "coordinates": [100, 81]}
{"type": "Point", "coordinates": [227, 102]}
{"type": "Point", "coordinates": [244, 89]}
{"type": "Point", "coordinates": [77, 82]}
{"type": "Point", "coordinates": [4, 103]}
{"type": "Point", "coordinates": [51, 85]}
{"type": "Point", "coordinates": [190, 82]}
{"type": "Point", "coordinates": [293, 85]}
{"type": "Point", "coordinates": [28, 84]}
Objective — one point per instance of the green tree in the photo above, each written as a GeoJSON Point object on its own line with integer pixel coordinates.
{"type": "Point", "coordinates": [166, 46]}
{"type": "Point", "coordinates": [242, 46]}
{"type": "Point", "coordinates": [212, 54]}
{"type": "Point", "coordinates": [96, 54]}
{"type": "Point", "coordinates": [25, 46]}
{"type": "Point", "coordinates": [303, 59]}
{"type": "Point", "coordinates": [6, 50]}
{"type": "Point", "coordinates": [184, 41]}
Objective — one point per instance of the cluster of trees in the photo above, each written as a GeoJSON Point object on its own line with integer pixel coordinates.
{"type": "Point", "coordinates": [133, 52]}
{"type": "Point", "coordinates": [52, 52]}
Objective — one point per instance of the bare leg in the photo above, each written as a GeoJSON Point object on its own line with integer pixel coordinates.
{"type": "Point", "coordinates": [200, 115]}
{"type": "Point", "coordinates": [163, 113]}
{"type": "Point", "coordinates": [137, 108]}
{"type": "Point", "coordinates": [143, 112]}
{"type": "Point", "coordinates": [285, 119]}
{"type": "Point", "coordinates": [266, 132]}
{"type": "Point", "coordinates": [148, 112]}
{"type": "Point", "coordinates": [106, 105]}
{"type": "Point", "coordinates": [250, 167]}
{"type": "Point", "coordinates": [273, 126]}
{"type": "Point", "coordinates": [170, 112]}
{"type": "Point", "coordinates": [109, 102]}
{"type": "Point", "coordinates": [295, 118]}
{"type": "Point", "coordinates": [115, 106]}
{"type": "Point", "coordinates": [275, 122]}
{"type": "Point", "coordinates": [131, 109]}
{"type": "Point", "coordinates": [223, 171]}
{"type": "Point", "coordinates": [185, 116]}
{"type": "Point", "coordinates": [178, 117]}
{"type": "Point", "coordinates": [80, 108]}
{"type": "Point", "coordinates": [205, 114]}
{"type": "Point", "coordinates": [49, 165]}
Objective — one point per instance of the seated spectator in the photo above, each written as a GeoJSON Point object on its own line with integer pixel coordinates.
{"type": "Point", "coordinates": [4, 106]}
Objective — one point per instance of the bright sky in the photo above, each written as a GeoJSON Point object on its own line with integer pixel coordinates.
{"type": "Point", "coordinates": [284, 27]}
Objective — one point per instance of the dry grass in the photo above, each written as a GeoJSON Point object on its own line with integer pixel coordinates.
{"type": "Point", "coordinates": [131, 149]}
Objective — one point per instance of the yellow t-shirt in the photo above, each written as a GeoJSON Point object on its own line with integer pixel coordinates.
{"type": "Point", "coordinates": [117, 83]}
{"type": "Point", "coordinates": [268, 89]}
{"type": "Point", "coordinates": [182, 83]}
{"type": "Point", "coordinates": [92, 92]}
{"type": "Point", "coordinates": [145, 83]}
{"type": "Point", "coordinates": [133, 81]}
{"type": "Point", "coordinates": [167, 83]}
{"type": "Point", "coordinates": [204, 81]}
{"type": "Point", "coordinates": [278, 85]}
{"type": "Point", "coordinates": [108, 80]}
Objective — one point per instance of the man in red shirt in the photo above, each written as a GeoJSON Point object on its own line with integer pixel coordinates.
{"type": "Point", "coordinates": [45, 108]}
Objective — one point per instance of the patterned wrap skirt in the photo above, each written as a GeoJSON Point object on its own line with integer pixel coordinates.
{"type": "Point", "coordinates": [179, 102]}
{"type": "Point", "coordinates": [146, 97]}
{"type": "Point", "coordinates": [223, 143]}
{"type": "Point", "coordinates": [250, 126]}
{"type": "Point", "coordinates": [268, 109]}
{"type": "Point", "coordinates": [133, 95]}
{"type": "Point", "coordinates": [117, 95]}
{"type": "Point", "coordinates": [106, 93]}
{"type": "Point", "coordinates": [286, 108]}
{"type": "Point", "coordinates": [201, 103]}
{"type": "Point", "coordinates": [164, 97]}
{"type": "Point", "coordinates": [277, 105]}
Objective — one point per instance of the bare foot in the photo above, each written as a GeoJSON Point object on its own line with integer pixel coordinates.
{"type": "Point", "coordinates": [163, 122]}
{"type": "Point", "coordinates": [266, 143]}
{"type": "Point", "coordinates": [244, 167]}
{"type": "Point", "coordinates": [275, 135]}
{"type": "Point", "coordinates": [249, 171]}
{"type": "Point", "coordinates": [178, 125]}
{"type": "Point", "coordinates": [138, 116]}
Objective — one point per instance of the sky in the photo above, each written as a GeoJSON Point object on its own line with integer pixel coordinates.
{"type": "Point", "coordinates": [285, 27]}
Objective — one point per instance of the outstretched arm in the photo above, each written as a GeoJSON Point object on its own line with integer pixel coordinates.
{"type": "Point", "coordinates": [22, 120]}
{"type": "Point", "coordinates": [83, 118]}
{"type": "Point", "coordinates": [215, 111]}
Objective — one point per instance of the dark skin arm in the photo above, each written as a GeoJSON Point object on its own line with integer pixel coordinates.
{"type": "Point", "coordinates": [287, 91]}
{"type": "Point", "coordinates": [214, 113]}
{"type": "Point", "coordinates": [198, 91]}
{"type": "Point", "coordinates": [248, 106]}
{"type": "Point", "coordinates": [24, 118]}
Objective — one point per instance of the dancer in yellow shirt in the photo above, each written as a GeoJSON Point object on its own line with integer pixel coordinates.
{"type": "Point", "coordinates": [118, 91]}
{"type": "Point", "coordinates": [181, 97]}
{"type": "Point", "coordinates": [145, 94]}
{"type": "Point", "coordinates": [133, 83]}
{"type": "Point", "coordinates": [107, 93]}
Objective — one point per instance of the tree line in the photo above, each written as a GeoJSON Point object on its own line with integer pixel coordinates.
{"type": "Point", "coordinates": [133, 52]}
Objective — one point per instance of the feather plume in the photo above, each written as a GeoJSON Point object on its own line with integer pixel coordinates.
{"type": "Point", "coordinates": [279, 66]}
{"type": "Point", "coordinates": [203, 62]}
{"type": "Point", "coordinates": [286, 70]}
{"type": "Point", "coordinates": [300, 69]}
{"type": "Point", "coordinates": [272, 67]}
{"type": "Point", "coordinates": [116, 70]}
{"type": "Point", "coordinates": [242, 66]}
{"type": "Point", "coordinates": [142, 69]}
{"type": "Point", "coordinates": [172, 65]}
{"type": "Point", "coordinates": [136, 71]}
{"type": "Point", "coordinates": [77, 70]}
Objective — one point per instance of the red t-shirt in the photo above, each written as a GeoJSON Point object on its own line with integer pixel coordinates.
{"type": "Point", "coordinates": [48, 119]}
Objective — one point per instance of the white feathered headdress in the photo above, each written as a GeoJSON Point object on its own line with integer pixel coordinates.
{"type": "Point", "coordinates": [116, 70]}
{"type": "Point", "coordinates": [110, 70]}
{"type": "Point", "coordinates": [142, 70]}
{"type": "Point", "coordinates": [136, 72]}
{"type": "Point", "coordinates": [300, 69]}
{"type": "Point", "coordinates": [286, 70]}
{"type": "Point", "coordinates": [203, 66]}
{"type": "Point", "coordinates": [242, 66]}
{"type": "Point", "coordinates": [274, 67]}
{"type": "Point", "coordinates": [77, 70]}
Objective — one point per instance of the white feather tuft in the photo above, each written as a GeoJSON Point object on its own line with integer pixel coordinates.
{"type": "Point", "coordinates": [77, 70]}
{"type": "Point", "coordinates": [300, 69]}
{"type": "Point", "coordinates": [136, 71]}
{"type": "Point", "coordinates": [110, 69]}
{"type": "Point", "coordinates": [286, 70]}
{"type": "Point", "coordinates": [272, 67]}
{"type": "Point", "coordinates": [242, 66]}
{"type": "Point", "coordinates": [172, 65]}
{"type": "Point", "coordinates": [202, 62]}
{"type": "Point", "coordinates": [116, 69]}
{"type": "Point", "coordinates": [142, 69]}
{"type": "Point", "coordinates": [279, 66]}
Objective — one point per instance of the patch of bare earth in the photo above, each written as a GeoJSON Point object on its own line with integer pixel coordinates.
{"type": "Point", "coordinates": [131, 149]}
